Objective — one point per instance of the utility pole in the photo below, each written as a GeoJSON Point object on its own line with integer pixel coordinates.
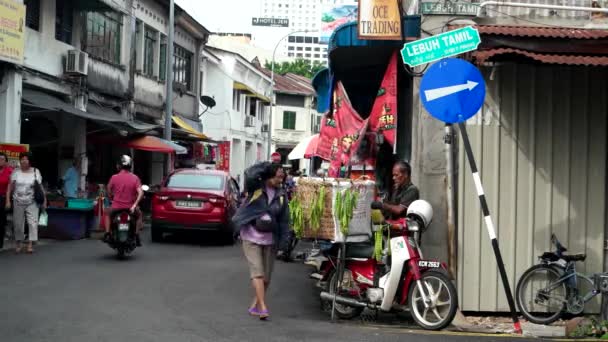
{"type": "Point", "coordinates": [169, 81]}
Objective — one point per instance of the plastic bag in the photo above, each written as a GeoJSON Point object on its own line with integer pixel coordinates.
{"type": "Point", "coordinates": [43, 219]}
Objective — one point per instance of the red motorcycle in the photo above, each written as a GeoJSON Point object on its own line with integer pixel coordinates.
{"type": "Point", "coordinates": [402, 281]}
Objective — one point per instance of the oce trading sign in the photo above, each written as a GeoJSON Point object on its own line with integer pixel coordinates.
{"type": "Point", "coordinates": [452, 90]}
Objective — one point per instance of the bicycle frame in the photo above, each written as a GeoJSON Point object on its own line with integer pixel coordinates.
{"type": "Point", "coordinates": [572, 284]}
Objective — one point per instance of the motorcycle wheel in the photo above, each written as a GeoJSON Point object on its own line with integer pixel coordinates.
{"type": "Point", "coordinates": [342, 311]}
{"type": "Point", "coordinates": [444, 301]}
{"type": "Point", "coordinates": [121, 254]}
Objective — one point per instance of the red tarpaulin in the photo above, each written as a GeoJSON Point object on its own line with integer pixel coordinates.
{"type": "Point", "coordinates": [383, 118]}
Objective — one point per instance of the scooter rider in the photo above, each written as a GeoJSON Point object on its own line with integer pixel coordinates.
{"type": "Point", "coordinates": [125, 191]}
{"type": "Point", "coordinates": [402, 194]}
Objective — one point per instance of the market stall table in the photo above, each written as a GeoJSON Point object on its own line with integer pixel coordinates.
{"type": "Point", "coordinates": [68, 223]}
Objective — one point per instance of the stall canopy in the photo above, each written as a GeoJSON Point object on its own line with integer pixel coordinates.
{"type": "Point", "coordinates": [305, 149]}
{"type": "Point", "coordinates": [187, 127]}
{"type": "Point", "coordinates": [155, 144]}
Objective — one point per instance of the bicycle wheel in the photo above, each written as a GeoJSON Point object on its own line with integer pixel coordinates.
{"type": "Point", "coordinates": [541, 297]}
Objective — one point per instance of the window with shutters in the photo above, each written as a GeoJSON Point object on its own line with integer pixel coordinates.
{"type": "Point", "coordinates": [182, 66]}
{"type": "Point", "coordinates": [32, 14]}
{"type": "Point", "coordinates": [149, 50]}
{"type": "Point", "coordinates": [162, 59]}
{"type": "Point", "coordinates": [103, 36]}
{"type": "Point", "coordinates": [64, 20]}
{"type": "Point", "coordinates": [289, 120]}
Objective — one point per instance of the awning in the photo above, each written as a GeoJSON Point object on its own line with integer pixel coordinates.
{"type": "Point", "coordinates": [94, 112]}
{"type": "Point", "coordinates": [46, 101]}
{"type": "Point", "coordinates": [241, 86]}
{"type": "Point", "coordinates": [547, 45]}
{"type": "Point", "coordinates": [155, 144]}
{"type": "Point", "coordinates": [185, 126]}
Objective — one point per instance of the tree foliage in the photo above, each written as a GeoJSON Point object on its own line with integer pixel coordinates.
{"type": "Point", "coordinates": [301, 67]}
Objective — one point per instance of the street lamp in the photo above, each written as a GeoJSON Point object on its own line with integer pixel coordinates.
{"type": "Point", "coordinates": [272, 104]}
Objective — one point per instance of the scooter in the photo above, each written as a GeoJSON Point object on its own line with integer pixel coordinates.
{"type": "Point", "coordinates": [402, 281]}
{"type": "Point", "coordinates": [122, 236]}
{"type": "Point", "coordinates": [123, 231]}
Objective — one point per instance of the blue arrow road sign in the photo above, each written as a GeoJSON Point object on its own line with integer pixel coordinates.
{"type": "Point", "coordinates": [452, 90]}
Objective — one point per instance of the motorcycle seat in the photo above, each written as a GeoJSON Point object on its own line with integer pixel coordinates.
{"type": "Point", "coordinates": [359, 250]}
{"type": "Point", "coordinates": [575, 257]}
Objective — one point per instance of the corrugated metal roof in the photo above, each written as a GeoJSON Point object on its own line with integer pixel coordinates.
{"type": "Point", "coordinates": [484, 55]}
{"type": "Point", "coordinates": [291, 83]}
{"type": "Point", "coordinates": [544, 32]}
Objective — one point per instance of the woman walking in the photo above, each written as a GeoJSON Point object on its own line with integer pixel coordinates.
{"type": "Point", "coordinates": [263, 224]}
{"type": "Point", "coordinates": [28, 196]}
{"type": "Point", "coordinates": [5, 178]}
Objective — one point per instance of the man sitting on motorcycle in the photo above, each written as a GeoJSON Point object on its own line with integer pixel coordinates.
{"type": "Point", "coordinates": [125, 191]}
{"type": "Point", "coordinates": [403, 192]}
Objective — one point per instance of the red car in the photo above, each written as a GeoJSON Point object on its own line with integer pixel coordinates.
{"type": "Point", "coordinates": [195, 200]}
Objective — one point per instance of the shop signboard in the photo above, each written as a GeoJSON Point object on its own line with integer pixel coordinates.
{"type": "Point", "coordinates": [12, 31]}
{"type": "Point", "coordinates": [440, 46]}
{"type": "Point", "coordinates": [12, 151]}
{"type": "Point", "coordinates": [270, 22]}
{"type": "Point", "coordinates": [334, 15]}
{"type": "Point", "coordinates": [379, 19]}
{"type": "Point", "coordinates": [449, 7]}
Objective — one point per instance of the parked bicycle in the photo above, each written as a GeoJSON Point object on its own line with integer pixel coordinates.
{"type": "Point", "coordinates": [548, 290]}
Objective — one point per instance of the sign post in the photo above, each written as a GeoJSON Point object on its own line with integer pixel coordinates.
{"type": "Point", "coordinates": [452, 91]}
{"type": "Point", "coordinates": [440, 46]}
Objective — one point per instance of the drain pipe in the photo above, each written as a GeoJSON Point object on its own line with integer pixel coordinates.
{"type": "Point", "coordinates": [541, 6]}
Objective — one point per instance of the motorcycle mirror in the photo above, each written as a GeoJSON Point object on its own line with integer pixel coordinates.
{"type": "Point", "coordinates": [145, 187]}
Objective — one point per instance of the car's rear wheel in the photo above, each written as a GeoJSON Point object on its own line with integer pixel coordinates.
{"type": "Point", "coordinates": [157, 234]}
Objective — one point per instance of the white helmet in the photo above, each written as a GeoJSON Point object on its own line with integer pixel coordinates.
{"type": "Point", "coordinates": [421, 210]}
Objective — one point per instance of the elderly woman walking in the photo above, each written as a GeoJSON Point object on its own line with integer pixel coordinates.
{"type": "Point", "coordinates": [28, 197]}
{"type": "Point", "coordinates": [263, 224]}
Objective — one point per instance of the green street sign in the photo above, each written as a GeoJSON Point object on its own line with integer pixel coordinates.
{"type": "Point", "coordinates": [440, 46]}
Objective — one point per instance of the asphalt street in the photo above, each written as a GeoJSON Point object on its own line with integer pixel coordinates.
{"type": "Point", "coordinates": [181, 290]}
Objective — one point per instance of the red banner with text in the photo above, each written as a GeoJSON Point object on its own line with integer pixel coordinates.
{"type": "Point", "coordinates": [341, 130]}
{"type": "Point", "coordinates": [223, 160]}
{"type": "Point", "coordinates": [383, 119]}
{"type": "Point", "coordinates": [12, 151]}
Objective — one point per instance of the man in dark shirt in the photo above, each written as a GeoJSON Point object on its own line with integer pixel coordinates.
{"type": "Point", "coordinates": [402, 194]}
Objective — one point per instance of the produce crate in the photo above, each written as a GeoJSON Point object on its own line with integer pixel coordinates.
{"type": "Point", "coordinates": [79, 203]}
{"type": "Point", "coordinates": [307, 190]}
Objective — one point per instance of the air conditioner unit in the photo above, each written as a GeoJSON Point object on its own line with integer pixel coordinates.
{"type": "Point", "coordinates": [265, 128]}
{"type": "Point", "coordinates": [250, 121]}
{"type": "Point", "coordinates": [77, 63]}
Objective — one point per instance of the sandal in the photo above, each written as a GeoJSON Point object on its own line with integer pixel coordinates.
{"type": "Point", "coordinates": [18, 250]}
{"type": "Point", "coordinates": [254, 311]}
{"type": "Point", "coordinates": [264, 315]}
{"type": "Point", "coordinates": [30, 250]}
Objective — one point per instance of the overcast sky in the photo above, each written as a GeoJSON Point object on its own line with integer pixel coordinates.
{"type": "Point", "coordinates": [222, 15]}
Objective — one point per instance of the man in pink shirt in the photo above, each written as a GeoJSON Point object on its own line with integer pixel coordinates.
{"type": "Point", "coordinates": [125, 191]}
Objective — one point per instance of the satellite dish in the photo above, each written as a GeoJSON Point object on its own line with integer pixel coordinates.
{"type": "Point", "coordinates": [208, 101]}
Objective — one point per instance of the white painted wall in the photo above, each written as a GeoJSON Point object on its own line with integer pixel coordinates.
{"type": "Point", "coordinates": [223, 122]}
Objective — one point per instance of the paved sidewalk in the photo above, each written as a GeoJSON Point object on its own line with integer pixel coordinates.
{"type": "Point", "coordinates": [9, 245]}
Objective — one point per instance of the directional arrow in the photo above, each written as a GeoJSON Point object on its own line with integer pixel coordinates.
{"type": "Point", "coordinates": [434, 94]}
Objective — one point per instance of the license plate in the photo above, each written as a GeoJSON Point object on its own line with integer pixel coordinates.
{"type": "Point", "coordinates": [123, 227]}
{"type": "Point", "coordinates": [188, 204]}
{"type": "Point", "coordinates": [429, 264]}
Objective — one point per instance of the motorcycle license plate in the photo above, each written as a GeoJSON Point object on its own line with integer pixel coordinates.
{"type": "Point", "coordinates": [429, 264]}
{"type": "Point", "coordinates": [123, 226]}
{"type": "Point", "coordinates": [188, 204]}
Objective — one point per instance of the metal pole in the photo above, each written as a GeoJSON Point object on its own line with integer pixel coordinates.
{"type": "Point", "coordinates": [490, 226]}
{"type": "Point", "coordinates": [451, 217]}
{"type": "Point", "coordinates": [169, 81]}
